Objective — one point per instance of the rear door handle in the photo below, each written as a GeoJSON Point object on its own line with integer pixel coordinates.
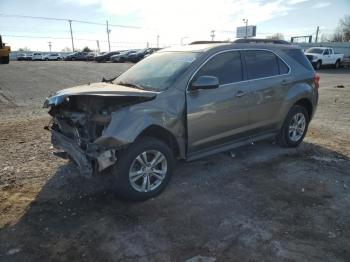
{"type": "Point", "coordinates": [286, 82]}
{"type": "Point", "coordinates": [240, 93]}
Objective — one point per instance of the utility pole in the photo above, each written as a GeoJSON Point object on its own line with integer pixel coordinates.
{"type": "Point", "coordinates": [71, 33]}
{"type": "Point", "coordinates": [49, 46]}
{"type": "Point", "coordinates": [212, 35]}
{"type": "Point", "coordinates": [182, 39]}
{"type": "Point", "coordinates": [109, 43]}
{"type": "Point", "coordinates": [246, 27]}
{"type": "Point", "coordinates": [317, 32]}
{"type": "Point", "coordinates": [98, 45]}
{"type": "Point", "coordinates": [157, 41]}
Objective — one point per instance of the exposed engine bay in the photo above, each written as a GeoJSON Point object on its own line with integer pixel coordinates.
{"type": "Point", "coordinates": [83, 118]}
{"type": "Point", "coordinates": [79, 117]}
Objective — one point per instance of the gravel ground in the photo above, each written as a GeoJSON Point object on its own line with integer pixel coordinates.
{"type": "Point", "coordinates": [264, 204]}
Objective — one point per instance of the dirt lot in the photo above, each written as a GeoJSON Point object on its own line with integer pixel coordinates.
{"type": "Point", "coordinates": [265, 204]}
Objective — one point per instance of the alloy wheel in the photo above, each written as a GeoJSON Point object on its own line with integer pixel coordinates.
{"type": "Point", "coordinates": [297, 127]}
{"type": "Point", "coordinates": [148, 170]}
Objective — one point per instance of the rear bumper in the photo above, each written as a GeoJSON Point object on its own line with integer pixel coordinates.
{"type": "Point", "coordinates": [69, 146]}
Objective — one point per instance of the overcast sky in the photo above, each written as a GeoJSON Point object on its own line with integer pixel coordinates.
{"type": "Point", "coordinates": [172, 20]}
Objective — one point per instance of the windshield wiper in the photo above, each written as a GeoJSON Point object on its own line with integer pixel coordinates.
{"type": "Point", "coordinates": [110, 80]}
{"type": "Point", "coordinates": [131, 85]}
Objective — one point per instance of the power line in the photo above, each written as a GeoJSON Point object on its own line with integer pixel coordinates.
{"type": "Point", "coordinates": [68, 38]}
{"type": "Point", "coordinates": [65, 19]}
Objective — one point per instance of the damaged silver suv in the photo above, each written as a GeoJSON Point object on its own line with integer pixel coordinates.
{"type": "Point", "coordinates": [183, 103]}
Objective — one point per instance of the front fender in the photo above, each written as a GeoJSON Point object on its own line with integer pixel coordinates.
{"type": "Point", "coordinates": [128, 123]}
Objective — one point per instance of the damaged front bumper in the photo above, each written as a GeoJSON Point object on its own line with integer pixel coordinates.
{"type": "Point", "coordinates": [87, 162]}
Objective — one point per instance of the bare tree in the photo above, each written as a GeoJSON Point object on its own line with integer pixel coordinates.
{"type": "Point", "coordinates": [87, 49]}
{"type": "Point", "coordinates": [24, 49]}
{"type": "Point", "coordinates": [325, 38]}
{"type": "Point", "coordinates": [345, 28]}
{"type": "Point", "coordinates": [66, 49]}
{"type": "Point", "coordinates": [276, 36]}
{"type": "Point", "coordinates": [342, 33]}
{"type": "Point", "coordinates": [337, 37]}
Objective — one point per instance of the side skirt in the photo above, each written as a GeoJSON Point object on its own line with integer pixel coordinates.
{"type": "Point", "coordinates": [228, 147]}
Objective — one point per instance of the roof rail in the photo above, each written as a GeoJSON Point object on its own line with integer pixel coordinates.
{"type": "Point", "coordinates": [262, 41]}
{"type": "Point", "coordinates": [208, 42]}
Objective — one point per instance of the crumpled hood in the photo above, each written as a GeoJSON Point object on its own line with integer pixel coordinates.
{"type": "Point", "coordinates": [97, 89]}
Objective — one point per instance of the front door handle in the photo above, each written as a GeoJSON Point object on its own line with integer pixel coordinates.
{"type": "Point", "coordinates": [240, 93]}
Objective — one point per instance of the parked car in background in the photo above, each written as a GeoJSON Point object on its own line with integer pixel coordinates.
{"type": "Point", "coordinates": [153, 51]}
{"type": "Point", "coordinates": [91, 56]}
{"type": "Point", "coordinates": [104, 57]}
{"type": "Point", "coordinates": [139, 55]}
{"type": "Point", "coordinates": [122, 57]}
{"type": "Point", "coordinates": [53, 57]}
{"type": "Point", "coordinates": [29, 57]}
{"type": "Point", "coordinates": [184, 102]}
{"type": "Point", "coordinates": [21, 57]}
{"type": "Point", "coordinates": [320, 56]}
{"type": "Point", "coordinates": [37, 57]}
{"type": "Point", "coordinates": [77, 56]}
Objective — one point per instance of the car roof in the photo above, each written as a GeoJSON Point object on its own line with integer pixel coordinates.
{"type": "Point", "coordinates": [319, 47]}
{"type": "Point", "coordinates": [227, 46]}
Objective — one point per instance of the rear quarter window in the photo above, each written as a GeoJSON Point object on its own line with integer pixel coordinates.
{"type": "Point", "coordinates": [283, 68]}
{"type": "Point", "coordinates": [299, 58]}
{"type": "Point", "coordinates": [261, 64]}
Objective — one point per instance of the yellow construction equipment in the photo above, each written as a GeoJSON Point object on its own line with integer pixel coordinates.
{"type": "Point", "coordinates": [4, 53]}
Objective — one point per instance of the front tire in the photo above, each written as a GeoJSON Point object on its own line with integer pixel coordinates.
{"type": "Point", "coordinates": [294, 127]}
{"type": "Point", "coordinates": [143, 170]}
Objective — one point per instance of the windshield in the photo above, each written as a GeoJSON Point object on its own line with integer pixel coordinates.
{"type": "Point", "coordinates": [157, 72]}
{"type": "Point", "coordinates": [314, 51]}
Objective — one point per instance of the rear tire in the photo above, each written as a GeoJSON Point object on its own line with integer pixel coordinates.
{"type": "Point", "coordinates": [318, 65]}
{"type": "Point", "coordinates": [294, 127]}
{"type": "Point", "coordinates": [337, 64]}
{"type": "Point", "coordinates": [129, 167]}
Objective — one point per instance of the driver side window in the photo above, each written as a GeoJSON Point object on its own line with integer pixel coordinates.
{"type": "Point", "coordinates": [227, 67]}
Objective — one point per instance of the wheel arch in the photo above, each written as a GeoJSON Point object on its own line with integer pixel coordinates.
{"type": "Point", "coordinates": [306, 103]}
{"type": "Point", "coordinates": [159, 132]}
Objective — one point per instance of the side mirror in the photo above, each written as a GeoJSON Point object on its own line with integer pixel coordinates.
{"type": "Point", "coordinates": [205, 82]}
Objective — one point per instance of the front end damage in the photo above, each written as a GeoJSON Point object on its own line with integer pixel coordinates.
{"type": "Point", "coordinates": [80, 117]}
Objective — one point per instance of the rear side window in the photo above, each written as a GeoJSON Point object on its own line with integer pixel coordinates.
{"type": "Point", "coordinates": [261, 64]}
{"type": "Point", "coordinates": [227, 67]}
{"type": "Point", "coordinates": [283, 68]}
{"type": "Point", "coordinates": [298, 56]}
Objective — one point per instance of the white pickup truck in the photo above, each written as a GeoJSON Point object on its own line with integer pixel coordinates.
{"type": "Point", "coordinates": [319, 56]}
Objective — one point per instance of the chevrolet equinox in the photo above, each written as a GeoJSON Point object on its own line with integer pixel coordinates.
{"type": "Point", "coordinates": [186, 103]}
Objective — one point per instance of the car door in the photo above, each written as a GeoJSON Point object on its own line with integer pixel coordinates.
{"type": "Point", "coordinates": [217, 116]}
{"type": "Point", "coordinates": [270, 80]}
{"type": "Point", "coordinates": [326, 57]}
{"type": "Point", "coordinates": [332, 58]}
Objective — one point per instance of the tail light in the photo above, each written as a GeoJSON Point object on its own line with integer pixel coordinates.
{"type": "Point", "coordinates": [317, 80]}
